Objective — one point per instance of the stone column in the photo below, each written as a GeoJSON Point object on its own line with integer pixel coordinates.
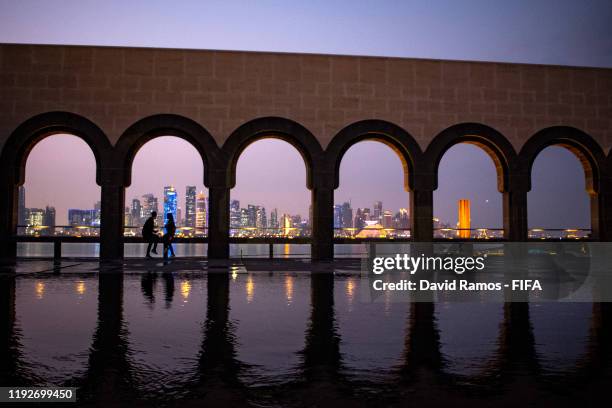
{"type": "Point", "coordinates": [218, 222]}
{"type": "Point", "coordinates": [322, 223]}
{"type": "Point", "coordinates": [421, 215]}
{"type": "Point", "coordinates": [601, 215]}
{"type": "Point", "coordinates": [8, 217]}
{"type": "Point", "coordinates": [515, 215]}
{"type": "Point", "coordinates": [111, 228]}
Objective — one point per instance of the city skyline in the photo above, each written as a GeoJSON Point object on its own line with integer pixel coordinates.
{"type": "Point", "coordinates": [558, 194]}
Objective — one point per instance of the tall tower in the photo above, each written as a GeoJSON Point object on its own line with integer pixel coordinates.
{"type": "Point", "coordinates": [136, 211]}
{"type": "Point", "coordinates": [378, 212]}
{"type": "Point", "coordinates": [190, 206]}
{"type": "Point", "coordinates": [464, 218]}
{"type": "Point", "coordinates": [170, 203]}
{"type": "Point", "coordinates": [200, 213]}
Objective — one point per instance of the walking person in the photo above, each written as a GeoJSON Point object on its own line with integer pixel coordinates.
{"type": "Point", "coordinates": [169, 235]}
{"type": "Point", "coordinates": [150, 235]}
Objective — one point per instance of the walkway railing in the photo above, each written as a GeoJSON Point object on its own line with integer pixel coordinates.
{"type": "Point", "coordinates": [278, 236]}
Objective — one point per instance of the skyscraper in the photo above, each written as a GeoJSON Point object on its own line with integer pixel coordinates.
{"type": "Point", "coordinates": [252, 215]}
{"type": "Point", "coordinates": [136, 212]}
{"type": "Point", "coordinates": [148, 205]}
{"type": "Point", "coordinates": [387, 219]}
{"type": "Point", "coordinates": [200, 213]}
{"type": "Point", "coordinates": [378, 211]}
{"type": "Point", "coordinates": [235, 214]}
{"type": "Point", "coordinates": [337, 216]}
{"type": "Point", "coordinates": [464, 218]}
{"type": "Point", "coordinates": [261, 220]}
{"type": "Point", "coordinates": [170, 203]}
{"type": "Point", "coordinates": [274, 219]}
{"type": "Point", "coordinates": [49, 220]}
{"type": "Point", "coordinates": [190, 206]}
{"type": "Point", "coordinates": [347, 215]}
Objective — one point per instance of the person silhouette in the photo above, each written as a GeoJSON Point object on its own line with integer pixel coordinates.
{"type": "Point", "coordinates": [150, 235]}
{"type": "Point", "coordinates": [169, 235]}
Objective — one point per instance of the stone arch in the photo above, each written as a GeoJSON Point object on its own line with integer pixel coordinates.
{"type": "Point", "coordinates": [400, 141]}
{"type": "Point", "coordinates": [155, 126]}
{"type": "Point", "coordinates": [586, 149]}
{"type": "Point", "coordinates": [23, 139]}
{"type": "Point", "coordinates": [278, 128]}
{"type": "Point", "coordinates": [490, 140]}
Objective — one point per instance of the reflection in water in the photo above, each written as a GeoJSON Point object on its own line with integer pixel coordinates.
{"type": "Point", "coordinates": [250, 288]}
{"type": "Point", "coordinates": [40, 289]}
{"type": "Point", "coordinates": [80, 288]}
{"type": "Point", "coordinates": [109, 374]}
{"type": "Point", "coordinates": [289, 288]}
{"type": "Point", "coordinates": [332, 348]}
{"type": "Point", "coordinates": [185, 290]}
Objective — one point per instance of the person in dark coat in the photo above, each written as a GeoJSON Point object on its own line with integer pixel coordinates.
{"type": "Point", "coordinates": [170, 228]}
{"type": "Point", "coordinates": [150, 235]}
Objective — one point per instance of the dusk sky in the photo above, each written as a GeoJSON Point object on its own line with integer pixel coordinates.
{"type": "Point", "coordinates": [575, 33]}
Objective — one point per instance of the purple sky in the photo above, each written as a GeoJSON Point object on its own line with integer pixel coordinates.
{"type": "Point", "coordinates": [549, 31]}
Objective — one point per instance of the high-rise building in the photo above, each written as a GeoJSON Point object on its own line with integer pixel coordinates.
{"type": "Point", "coordinates": [235, 214]}
{"type": "Point", "coordinates": [148, 204]}
{"type": "Point", "coordinates": [190, 206]}
{"type": "Point", "coordinates": [21, 208]}
{"type": "Point", "coordinates": [359, 219]}
{"type": "Point", "coordinates": [347, 215]}
{"type": "Point", "coordinates": [378, 211]}
{"type": "Point", "coordinates": [464, 220]}
{"type": "Point", "coordinates": [179, 221]}
{"type": "Point", "coordinates": [286, 223]}
{"type": "Point", "coordinates": [261, 220]}
{"type": "Point", "coordinates": [170, 203]}
{"type": "Point", "coordinates": [244, 218]}
{"type": "Point", "coordinates": [401, 219]}
{"type": "Point", "coordinates": [337, 216]}
{"type": "Point", "coordinates": [81, 218]}
{"type": "Point", "coordinates": [200, 213]}
{"type": "Point", "coordinates": [49, 220]}
{"type": "Point", "coordinates": [387, 219]}
{"type": "Point", "coordinates": [274, 219]}
{"type": "Point", "coordinates": [252, 215]}
{"type": "Point", "coordinates": [127, 217]}
{"type": "Point", "coordinates": [97, 217]}
{"type": "Point", "coordinates": [35, 217]}
{"type": "Point", "coordinates": [136, 212]}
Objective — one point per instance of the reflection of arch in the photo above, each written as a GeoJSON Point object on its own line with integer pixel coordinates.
{"type": "Point", "coordinates": [278, 128]}
{"type": "Point", "coordinates": [23, 139]}
{"type": "Point", "coordinates": [587, 150]}
{"type": "Point", "coordinates": [392, 135]}
{"type": "Point", "coordinates": [490, 140]}
{"type": "Point", "coordinates": [154, 126]}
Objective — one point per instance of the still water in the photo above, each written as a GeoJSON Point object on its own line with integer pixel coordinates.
{"type": "Point", "coordinates": [257, 335]}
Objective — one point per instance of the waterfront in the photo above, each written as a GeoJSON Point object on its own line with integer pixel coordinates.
{"type": "Point", "coordinates": [288, 334]}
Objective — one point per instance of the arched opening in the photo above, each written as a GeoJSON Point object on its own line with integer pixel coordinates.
{"type": "Point", "coordinates": [59, 197]}
{"type": "Point", "coordinates": [467, 202]}
{"type": "Point", "coordinates": [371, 201]}
{"type": "Point", "coordinates": [167, 177]}
{"type": "Point", "coordinates": [558, 205]}
{"type": "Point", "coordinates": [270, 199]}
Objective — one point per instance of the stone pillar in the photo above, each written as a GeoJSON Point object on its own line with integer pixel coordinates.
{"type": "Point", "coordinates": [421, 213]}
{"type": "Point", "coordinates": [8, 218]}
{"type": "Point", "coordinates": [601, 215]}
{"type": "Point", "coordinates": [111, 228]}
{"type": "Point", "coordinates": [515, 215]}
{"type": "Point", "coordinates": [218, 222]}
{"type": "Point", "coordinates": [322, 223]}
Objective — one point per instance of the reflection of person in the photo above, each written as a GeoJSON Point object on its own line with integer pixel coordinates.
{"type": "Point", "coordinates": [149, 234]}
{"type": "Point", "coordinates": [169, 235]}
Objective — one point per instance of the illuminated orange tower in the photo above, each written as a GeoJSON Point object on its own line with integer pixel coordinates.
{"type": "Point", "coordinates": [464, 218]}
